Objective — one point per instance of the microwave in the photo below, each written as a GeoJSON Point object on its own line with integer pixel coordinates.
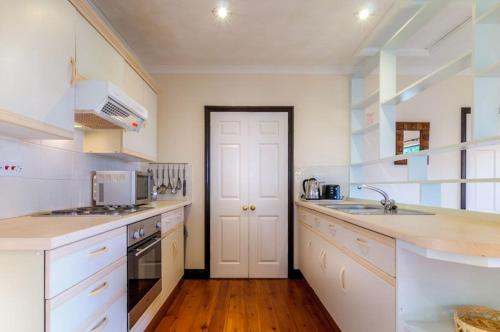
{"type": "Point", "coordinates": [122, 187]}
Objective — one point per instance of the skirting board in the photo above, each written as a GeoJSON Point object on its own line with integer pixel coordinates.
{"type": "Point", "coordinates": [203, 274]}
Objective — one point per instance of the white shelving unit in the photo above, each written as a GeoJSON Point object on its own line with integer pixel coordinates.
{"type": "Point", "coordinates": [365, 130]}
{"type": "Point", "coordinates": [437, 181]}
{"type": "Point", "coordinates": [369, 100]}
{"type": "Point", "coordinates": [483, 59]}
{"type": "Point", "coordinates": [450, 69]}
{"type": "Point", "coordinates": [490, 16]}
{"type": "Point", "coordinates": [495, 140]}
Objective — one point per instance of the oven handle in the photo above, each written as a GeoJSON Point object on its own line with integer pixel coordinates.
{"type": "Point", "coordinates": [140, 251]}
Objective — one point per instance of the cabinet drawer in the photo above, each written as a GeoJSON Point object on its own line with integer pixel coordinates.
{"type": "Point", "coordinates": [88, 299]}
{"type": "Point", "coordinates": [373, 247]}
{"type": "Point", "coordinates": [333, 230]}
{"type": "Point", "coordinates": [68, 265]}
{"type": "Point", "coordinates": [114, 319]}
{"type": "Point", "coordinates": [305, 217]}
{"type": "Point", "coordinates": [171, 219]}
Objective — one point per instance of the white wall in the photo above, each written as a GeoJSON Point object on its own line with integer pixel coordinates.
{"type": "Point", "coordinates": [321, 126]}
{"type": "Point", "coordinates": [55, 175]}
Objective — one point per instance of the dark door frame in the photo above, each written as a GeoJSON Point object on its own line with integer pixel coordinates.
{"type": "Point", "coordinates": [205, 273]}
{"type": "Point", "coordinates": [463, 156]}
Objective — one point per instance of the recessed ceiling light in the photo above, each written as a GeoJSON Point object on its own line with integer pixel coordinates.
{"type": "Point", "coordinates": [364, 14]}
{"type": "Point", "coordinates": [221, 12]}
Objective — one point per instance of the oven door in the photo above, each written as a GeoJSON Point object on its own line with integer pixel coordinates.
{"type": "Point", "coordinates": [143, 188]}
{"type": "Point", "coordinates": [144, 275]}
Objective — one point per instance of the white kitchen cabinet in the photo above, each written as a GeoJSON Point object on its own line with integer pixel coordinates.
{"type": "Point", "coordinates": [356, 292]}
{"type": "Point", "coordinates": [173, 259]}
{"type": "Point", "coordinates": [37, 43]}
{"type": "Point", "coordinates": [143, 144]}
{"type": "Point", "coordinates": [114, 319]}
{"type": "Point", "coordinates": [128, 145]}
{"type": "Point", "coordinates": [368, 302]}
{"type": "Point", "coordinates": [94, 299]}
{"type": "Point", "coordinates": [96, 59]}
{"type": "Point", "coordinates": [89, 299]}
{"type": "Point", "coordinates": [133, 84]}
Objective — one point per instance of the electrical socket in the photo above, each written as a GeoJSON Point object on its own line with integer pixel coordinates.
{"type": "Point", "coordinates": [9, 169]}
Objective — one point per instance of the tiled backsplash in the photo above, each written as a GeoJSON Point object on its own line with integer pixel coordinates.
{"type": "Point", "coordinates": [55, 175]}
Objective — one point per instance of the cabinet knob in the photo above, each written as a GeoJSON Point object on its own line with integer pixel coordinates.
{"type": "Point", "coordinates": [253, 207]}
{"type": "Point", "coordinates": [244, 208]}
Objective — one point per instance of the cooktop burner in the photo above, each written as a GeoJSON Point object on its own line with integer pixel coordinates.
{"type": "Point", "coordinates": [96, 211]}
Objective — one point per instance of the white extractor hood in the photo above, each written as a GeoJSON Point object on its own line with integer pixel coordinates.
{"type": "Point", "coordinates": [102, 105]}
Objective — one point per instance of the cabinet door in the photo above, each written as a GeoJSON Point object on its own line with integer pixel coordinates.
{"type": "Point", "coordinates": [305, 253]}
{"type": "Point", "coordinates": [178, 254]}
{"type": "Point", "coordinates": [133, 84]}
{"type": "Point", "coordinates": [314, 256]}
{"type": "Point", "coordinates": [367, 303]}
{"type": "Point", "coordinates": [143, 143]}
{"type": "Point", "coordinates": [96, 58]}
{"type": "Point", "coordinates": [168, 263]}
{"type": "Point", "coordinates": [329, 291]}
{"type": "Point", "coordinates": [37, 42]}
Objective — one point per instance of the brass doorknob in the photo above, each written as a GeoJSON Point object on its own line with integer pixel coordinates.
{"type": "Point", "coordinates": [252, 207]}
{"type": "Point", "coordinates": [244, 208]}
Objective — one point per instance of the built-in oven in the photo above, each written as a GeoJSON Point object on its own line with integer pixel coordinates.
{"type": "Point", "coordinates": [144, 266]}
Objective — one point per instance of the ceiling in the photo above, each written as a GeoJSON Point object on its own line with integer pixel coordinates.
{"type": "Point", "coordinates": [260, 35]}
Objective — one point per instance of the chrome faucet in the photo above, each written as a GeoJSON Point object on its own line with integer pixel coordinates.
{"type": "Point", "coordinates": [387, 203]}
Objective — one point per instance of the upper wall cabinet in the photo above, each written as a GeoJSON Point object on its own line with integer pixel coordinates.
{"type": "Point", "coordinates": [37, 43]}
{"type": "Point", "coordinates": [96, 59]}
{"type": "Point", "coordinates": [143, 144]}
{"type": "Point", "coordinates": [128, 145]}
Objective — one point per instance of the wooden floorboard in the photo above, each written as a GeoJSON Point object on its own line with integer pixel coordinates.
{"type": "Point", "coordinates": [247, 305]}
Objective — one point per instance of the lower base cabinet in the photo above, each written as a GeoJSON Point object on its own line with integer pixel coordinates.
{"type": "Point", "coordinates": [358, 299]}
{"type": "Point", "coordinates": [172, 246]}
{"type": "Point", "coordinates": [112, 320]}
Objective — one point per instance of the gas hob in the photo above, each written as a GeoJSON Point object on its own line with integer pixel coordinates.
{"type": "Point", "coordinates": [95, 211]}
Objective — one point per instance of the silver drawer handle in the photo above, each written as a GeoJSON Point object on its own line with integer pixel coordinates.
{"type": "Point", "coordinates": [100, 325]}
{"type": "Point", "coordinates": [99, 289]}
{"type": "Point", "coordinates": [141, 251]}
{"type": "Point", "coordinates": [99, 251]}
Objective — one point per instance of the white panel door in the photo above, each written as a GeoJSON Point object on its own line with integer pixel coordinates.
{"type": "Point", "coordinates": [249, 206]}
{"type": "Point", "coordinates": [268, 187]}
{"type": "Point", "coordinates": [229, 192]}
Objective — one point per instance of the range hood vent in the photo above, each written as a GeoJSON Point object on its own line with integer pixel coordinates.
{"type": "Point", "coordinates": [102, 105]}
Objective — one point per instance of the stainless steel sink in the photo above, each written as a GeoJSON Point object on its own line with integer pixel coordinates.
{"type": "Point", "coordinates": [363, 209]}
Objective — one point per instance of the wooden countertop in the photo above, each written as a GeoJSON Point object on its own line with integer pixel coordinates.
{"type": "Point", "coordinates": [458, 232]}
{"type": "Point", "coordinates": [45, 233]}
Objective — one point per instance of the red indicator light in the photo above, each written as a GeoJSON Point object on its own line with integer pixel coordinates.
{"type": "Point", "coordinates": [135, 125]}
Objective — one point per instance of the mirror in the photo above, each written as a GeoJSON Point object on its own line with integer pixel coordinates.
{"type": "Point", "coordinates": [411, 137]}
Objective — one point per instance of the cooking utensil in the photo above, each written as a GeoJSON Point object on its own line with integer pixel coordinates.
{"type": "Point", "coordinates": [184, 181]}
{"type": "Point", "coordinates": [174, 181]}
{"type": "Point", "coordinates": [169, 185]}
{"type": "Point", "coordinates": [154, 192]}
{"type": "Point", "coordinates": [163, 188]}
{"type": "Point", "coordinates": [179, 182]}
